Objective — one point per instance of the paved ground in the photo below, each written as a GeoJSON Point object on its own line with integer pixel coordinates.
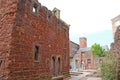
{"type": "Point", "coordinates": [91, 78]}
{"type": "Point", "coordinates": [78, 76]}
{"type": "Point", "coordinates": [82, 76]}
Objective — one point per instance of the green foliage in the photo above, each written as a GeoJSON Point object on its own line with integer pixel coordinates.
{"type": "Point", "coordinates": [97, 50]}
{"type": "Point", "coordinates": [108, 67]}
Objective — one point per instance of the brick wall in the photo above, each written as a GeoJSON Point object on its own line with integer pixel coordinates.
{"type": "Point", "coordinates": [28, 29]}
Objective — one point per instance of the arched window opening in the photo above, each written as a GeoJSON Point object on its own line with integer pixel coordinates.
{"type": "Point", "coordinates": [53, 66]}
{"type": "Point", "coordinates": [59, 66]}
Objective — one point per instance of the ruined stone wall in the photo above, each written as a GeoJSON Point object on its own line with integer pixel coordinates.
{"type": "Point", "coordinates": [39, 28]}
{"type": "Point", "coordinates": [7, 20]}
{"type": "Point", "coordinates": [115, 50]}
{"type": "Point", "coordinates": [115, 46]}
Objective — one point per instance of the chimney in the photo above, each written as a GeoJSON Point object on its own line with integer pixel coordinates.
{"type": "Point", "coordinates": [56, 12]}
{"type": "Point", "coordinates": [83, 42]}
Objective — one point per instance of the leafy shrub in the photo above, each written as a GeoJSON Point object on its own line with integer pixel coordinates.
{"type": "Point", "coordinates": [108, 67]}
{"type": "Point", "coordinates": [97, 50]}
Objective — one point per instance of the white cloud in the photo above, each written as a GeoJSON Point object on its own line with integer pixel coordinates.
{"type": "Point", "coordinates": [86, 16]}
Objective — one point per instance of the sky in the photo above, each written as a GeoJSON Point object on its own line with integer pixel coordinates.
{"type": "Point", "coordinates": [88, 18]}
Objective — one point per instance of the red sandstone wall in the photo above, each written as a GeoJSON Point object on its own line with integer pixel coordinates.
{"type": "Point", "coordinates": [33, 28]}
{"type": "Point", "coordinates": [115, 50]}
{"type": "Point", "coordinates": [7, 20]}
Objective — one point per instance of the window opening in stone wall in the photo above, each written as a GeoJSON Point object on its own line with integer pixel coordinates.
{"type": "Point", "coordinates": [82, 54]}
{"type": "Point", "coordinates": [89, 61]}
{"type": "Point", "coordinates": [36, 53]}
{"type": "Point", "coordinates": [34, 9]}
{"type": "Point", "coordinates": [53, 66]}
{"type": "Point", "coordinates": [59, 66]}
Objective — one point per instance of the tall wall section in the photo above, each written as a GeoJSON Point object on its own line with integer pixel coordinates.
{"type": "Point", "coordinates": [115, 50]}
{"type": "Point", "coordinates": [8, 9]}
{"type": "Point", "coordinates": [115, 46]}
{"type": "Point", "coordinates": [33, 29]}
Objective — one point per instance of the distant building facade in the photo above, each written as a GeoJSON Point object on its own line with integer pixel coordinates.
{"type": "Point", "coordinates": [84, 59]}
{"type": "Point", "coordinates": [86, 56]}
{"type": "Point", "coordinates": [73, 51]}
{"type": "Point", "coordinates": [73, 48]}
{"type": "Point", "coordinates": [34, 42]}
{"type": "Point", "coordinates": [88, 61]}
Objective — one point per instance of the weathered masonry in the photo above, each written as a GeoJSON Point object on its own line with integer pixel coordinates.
{"type": "Point", "coordinates": [115, 46]}
{"type": "Point", "coordinates": [34, 42]}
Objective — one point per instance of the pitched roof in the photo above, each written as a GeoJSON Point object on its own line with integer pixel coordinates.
{"type": "Point", "coordinates": [83, 49]}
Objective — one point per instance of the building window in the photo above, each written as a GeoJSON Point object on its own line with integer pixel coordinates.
{"type": "Point", "coordinates": [53, 66]}
{"type": "Point", "coordinates": [36, 53]}
{"type": "Point", "coordinates": [34, 9]}
{"type": "Point", "coordinates": [89, 61]}
{"type": "Point", "coordinates": [59, 66]}
{"type": "Point", "coordinates": [82, 54]}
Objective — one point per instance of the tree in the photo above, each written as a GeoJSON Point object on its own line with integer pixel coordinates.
{"type": "Point", "coordinates": [97, 50]}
